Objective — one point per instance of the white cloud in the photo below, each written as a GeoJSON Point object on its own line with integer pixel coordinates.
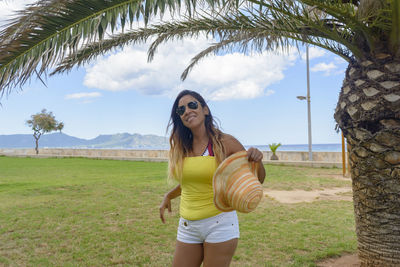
{"type": "Point", "coordinates": [324, 67]}
{"type": "Point", "coordinates": [216, 77]}
{"type": "Point", "coordinates": [313, 52]}
{"type": "Point", "coordinates": [269, 92]}
{"type": "Point", "coordinates": [83, 95]}
{"type": "Point", "coordinates": [8, 8]}
{"type": "Point", "coordinates": [340, 60]}
{"type": "Point", "coordinates": [219, 77]}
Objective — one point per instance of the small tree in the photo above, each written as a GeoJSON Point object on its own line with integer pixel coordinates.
{"type": "Point", "coordinates": [274, 147]}
{"type": "Point", "coordinates": [42, 123]}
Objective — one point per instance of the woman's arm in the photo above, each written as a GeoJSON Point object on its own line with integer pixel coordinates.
{"type": "Point", "coordinates": [166, 203]}
{"type": "Point", "coordinates": [232, 145]}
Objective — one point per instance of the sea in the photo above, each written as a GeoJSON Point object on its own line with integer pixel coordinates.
{"type": "Point", "coordinates": [302, 147]}
{"type": "Point", "coordinates": [283, 147]}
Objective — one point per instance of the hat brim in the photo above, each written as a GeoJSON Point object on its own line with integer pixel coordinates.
{"type": "Point", "coordinates": [238, 165]}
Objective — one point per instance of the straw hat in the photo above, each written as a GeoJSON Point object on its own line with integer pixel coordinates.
{"type": "Point", "coordinates": [236, 186]}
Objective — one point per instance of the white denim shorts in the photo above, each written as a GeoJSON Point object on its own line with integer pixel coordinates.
{"type": "Point", "coordinates": [216, 229]}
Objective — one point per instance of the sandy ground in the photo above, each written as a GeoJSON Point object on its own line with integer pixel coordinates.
{"type": "Point", "coordinates": [297, 196]}
{"type": "Point", "coordinates": [344, 261]}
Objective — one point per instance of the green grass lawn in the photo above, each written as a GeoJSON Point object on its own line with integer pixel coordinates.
{"type": "Point", "coordinates": [85, 212]}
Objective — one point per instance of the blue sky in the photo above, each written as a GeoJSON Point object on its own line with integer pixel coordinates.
{"type": "Point", "coordinates": [253, 96]}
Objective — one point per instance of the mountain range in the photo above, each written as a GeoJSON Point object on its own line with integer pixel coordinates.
{"type": "Point", "coordinates": [117, 141]}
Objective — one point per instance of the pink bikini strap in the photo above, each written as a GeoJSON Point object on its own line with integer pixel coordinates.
{"type": "Point", "coordinates": [210, 150]}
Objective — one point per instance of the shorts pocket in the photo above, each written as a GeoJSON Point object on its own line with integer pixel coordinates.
{"type": "Point", "coordinates": [226, 217]}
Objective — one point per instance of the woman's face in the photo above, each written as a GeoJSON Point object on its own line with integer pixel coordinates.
{"type": "Point", "coordinates": [192, 118]}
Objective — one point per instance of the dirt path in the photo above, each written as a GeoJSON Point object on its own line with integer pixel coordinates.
{"type": "Point", "coordinates": [297, 196]}
{"type": "Point", "coordinates": [344, 261]}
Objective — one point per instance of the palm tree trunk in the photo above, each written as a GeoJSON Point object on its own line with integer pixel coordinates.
{"type": "Point", "coordinates": [368, 112]}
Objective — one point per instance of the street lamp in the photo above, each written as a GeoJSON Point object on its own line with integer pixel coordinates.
{"type": "Point", "coordinates": [310, 158]}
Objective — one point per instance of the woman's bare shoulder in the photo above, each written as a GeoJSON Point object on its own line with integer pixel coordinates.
{"type": "Point", "coordinates": [231, 144]}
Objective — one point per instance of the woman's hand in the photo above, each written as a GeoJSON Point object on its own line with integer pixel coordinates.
{"type": "Point", "coordinates": [256, 155]}
{"type": "Point", "coordinates": [253, 154]}
{"type": "Point", "coordinates": [165, 204]}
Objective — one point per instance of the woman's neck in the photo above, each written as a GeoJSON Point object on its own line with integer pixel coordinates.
{"type": "Point", "coordinates": [200, 135]}
{"type": "Point", "coordinates": [200, 141]}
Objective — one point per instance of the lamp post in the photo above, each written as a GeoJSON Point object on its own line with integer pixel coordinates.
{"type": "Point", "coordinates": [310, 158]}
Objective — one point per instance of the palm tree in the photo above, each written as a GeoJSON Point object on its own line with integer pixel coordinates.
{"type": "Point", "coordinates": [273, 147]}
{"type": "Point", "coordinates": [366, 33]}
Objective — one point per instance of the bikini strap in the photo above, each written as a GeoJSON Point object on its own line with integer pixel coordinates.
{"type": "Point", "coordinates": [210, 150]}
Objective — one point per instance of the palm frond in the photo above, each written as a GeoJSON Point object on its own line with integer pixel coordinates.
{"type": "Point", "coordinates": [335, 21]}
{"type": "Point", "coordinates": [261, 41]}
{"type": "Point", "coordinates": [47, 31]}
{"type": "Point", "coordinates": [93, 50]}
{"type": "Point", "coordinates": [260, 32]}
{"type": "Point", "coordinates": [367, 21]}
{"type": "Point", "coordinates": [305, 26]}
{"type": "Point", "coordinates": [235, 31]}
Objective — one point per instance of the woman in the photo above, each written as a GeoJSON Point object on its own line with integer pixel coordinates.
{"type": "Point", "coordinates": [205, 234]}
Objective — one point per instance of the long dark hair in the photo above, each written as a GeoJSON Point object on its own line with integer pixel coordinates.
{"type": "Point", "coordinates": [181, 139]}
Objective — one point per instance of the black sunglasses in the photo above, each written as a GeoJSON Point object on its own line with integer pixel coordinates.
{"type": "Point", "coordinates": [192, 105]}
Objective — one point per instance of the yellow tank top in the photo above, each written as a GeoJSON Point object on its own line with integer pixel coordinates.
{"type": "Point", "coordinates": [197, 196]}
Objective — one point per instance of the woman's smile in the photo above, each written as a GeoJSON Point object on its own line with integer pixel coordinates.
{"type": "Point", "coordinates": [190, 117]}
